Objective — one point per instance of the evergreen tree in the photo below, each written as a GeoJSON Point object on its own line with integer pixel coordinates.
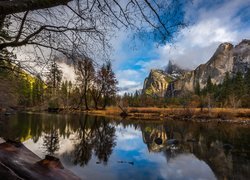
{"type": "Point", "coordinates": [197, 89]}
{"type": "Point", "coordinates": [109, 82]}
{"type": "Point", "coordinates": [25, 92]}
{"type": "Point", "coordinates": [54, 78]}
{"type": "Point", "coordinates": [239, 86]}
{"type": "Point", "coordinates": [64, 92]}
{"type": "Point", "coordinates": [37, 91]}
{"type": "Point", "coordinates": [247, 81]}
{"type": "Point", "coordinates": [209, 86]}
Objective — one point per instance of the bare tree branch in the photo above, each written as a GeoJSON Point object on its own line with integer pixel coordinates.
{"type": "Point", "coordinates": [17, 6]}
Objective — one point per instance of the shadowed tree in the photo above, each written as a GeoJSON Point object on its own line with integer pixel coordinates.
{"type": "Point", "coordinates": [38, 90]}
{"type": "Point", "coordinates": [54, 77]}
{"type": "Point", "coordinates": [106, 77]}
{"type": "Point", "coordinates": [209, 90]}
{"type": "Point", "coordinates": [85, 75]}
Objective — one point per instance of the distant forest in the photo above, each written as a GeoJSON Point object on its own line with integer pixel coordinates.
{"type": "Point", "coordinates": [92, 88]}
{"type": "Point", "coordinates": [234, 92]}
{"type": "Point", "coordinates": [96, 88]}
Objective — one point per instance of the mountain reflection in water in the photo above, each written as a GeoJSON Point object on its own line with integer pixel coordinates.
{"type": "Point", "coordinates": [97, 147]}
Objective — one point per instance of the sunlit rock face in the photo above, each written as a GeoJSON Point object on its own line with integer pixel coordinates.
{"type": "Point", "coordinates": [156, 83]}
{"type": "Point", "coordinates": [158, 80]}
{"type": "Point", "coordinates": [227, 58]}
{"type": "Point", "coordinates": [155, 138]}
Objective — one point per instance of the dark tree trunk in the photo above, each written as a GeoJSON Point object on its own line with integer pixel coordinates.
{"type": "Point", "coordinates": [85, 97]}
{"type": "Point", "coordinates": [96, 103]}
{"type": "Point", "coordinates": [17, 6]}
{"type": "Point", "coordinates": [104, 103]}
{"type": "Point", "coordinates": [86, 102]}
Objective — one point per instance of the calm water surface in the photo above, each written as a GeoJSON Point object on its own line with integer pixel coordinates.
{"type": "Point", "coordinates": [101, 148]}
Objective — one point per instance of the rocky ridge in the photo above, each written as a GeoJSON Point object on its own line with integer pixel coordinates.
{"type": "Point", "coordinates": [227, 58]}
{"type": "Point", "coordinates": [156, 83]}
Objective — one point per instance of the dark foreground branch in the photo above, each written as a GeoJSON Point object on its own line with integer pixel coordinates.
{"type": "Point", "coordinates": [17, 6]}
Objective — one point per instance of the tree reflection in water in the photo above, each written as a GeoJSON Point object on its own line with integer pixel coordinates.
{"type": "Point", "coordinates": [51, 142]}
{"type": "Point", "coordinates": [83, 147]}
{"type": "Point", "coordinates": [105, 140]}
{"type": "Point", "coordinates": [94, 136]}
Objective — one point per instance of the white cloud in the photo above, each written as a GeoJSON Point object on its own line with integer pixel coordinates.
{"type": "Point", "coordinates": [129, 80]}
{"type": "Point", "coordinates": [197, 43]}
{"type": "Point", "coordinates": [68, 72]}
{"type": "Point", "coordinates": [130, 73]}
{"type": "Point", "coordinates": [128, 86]}
{"type": "Point", "coordinates": [212, 24]}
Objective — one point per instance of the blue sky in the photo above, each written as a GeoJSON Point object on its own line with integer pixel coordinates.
{"type": "Point", "coordinates": [211, 23]}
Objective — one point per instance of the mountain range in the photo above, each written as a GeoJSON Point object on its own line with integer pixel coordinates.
{"type": "Point", "coordinates": [175, 80]}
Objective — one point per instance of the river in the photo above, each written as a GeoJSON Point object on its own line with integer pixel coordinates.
{"type": "Point", "coordinates": [103, 148]}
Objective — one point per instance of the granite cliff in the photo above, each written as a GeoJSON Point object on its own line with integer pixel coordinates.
{"type": "Point", "coordinates": [227, 58]}
{"type": "Point", "coordinates": [156, 83]}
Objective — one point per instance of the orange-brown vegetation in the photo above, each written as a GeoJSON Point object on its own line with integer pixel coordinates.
{"type": "Point", "coordinates": [227, 114]}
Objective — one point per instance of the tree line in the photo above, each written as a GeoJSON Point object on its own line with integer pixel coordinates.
{"type": "Point", "coordinates": [93, 87]}
{"type": "Point", "coordinates": [233, 92]}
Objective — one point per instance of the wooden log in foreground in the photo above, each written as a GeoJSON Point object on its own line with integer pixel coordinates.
{"type": "Point", "coordinates": [18, 162]}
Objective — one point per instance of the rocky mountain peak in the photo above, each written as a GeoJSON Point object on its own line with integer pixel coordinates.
{"type": "Point", "coordinates": [225, 47]}
{"type": "Point", "coordinates": [227, 58]}
{"type": "Point", "coordinates": [174, 70]}
{"type": "Point", "coordinates": [244, 42]}
{"type": "Point", "coordinates": [156, 83]}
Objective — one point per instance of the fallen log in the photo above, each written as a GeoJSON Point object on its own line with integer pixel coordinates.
{"type": "Point", "coordinates": [18, 162]}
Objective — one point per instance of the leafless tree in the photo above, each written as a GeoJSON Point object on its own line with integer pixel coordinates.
{"type": "Point", "coordinates": [85, 74]}
{"type": "Point", "coordinates": [82, 26]}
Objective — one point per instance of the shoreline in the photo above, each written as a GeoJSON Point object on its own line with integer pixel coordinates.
{"type": "Point", "coordinates": [219, 115]}
{"type": "Point", "coordinates": [216, 115]}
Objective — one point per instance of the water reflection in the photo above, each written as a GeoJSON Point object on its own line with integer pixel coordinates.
{"type": "Point", "coordinates": [96, 136]}
{"type": "Point", "coordinates": [51, 141]}
{"type": "Point", "coordinates": [134, 149]}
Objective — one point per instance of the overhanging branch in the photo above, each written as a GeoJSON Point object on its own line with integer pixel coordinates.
{"type": "Point", "coordinates": [17, 6]}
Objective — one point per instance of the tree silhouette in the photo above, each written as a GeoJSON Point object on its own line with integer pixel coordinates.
{"type": "Point", "coordinates": [104, 140]}
{"type": "Point", "coordinates": [51, 142]}
{"type": "Point", "coordinates": [83, 149]}
{"type": "Point", "coordinates": [83, 26]}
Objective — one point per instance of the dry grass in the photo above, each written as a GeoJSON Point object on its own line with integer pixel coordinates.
{"type": "Point", "coordinates": [177, 113]}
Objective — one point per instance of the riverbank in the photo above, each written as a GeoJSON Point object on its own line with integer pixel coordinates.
{"type": "Point", "coordinates": [229, 115]}
{"type": "Point", "coordinates": [220, 115]}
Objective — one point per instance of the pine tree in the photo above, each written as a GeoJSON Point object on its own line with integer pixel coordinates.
{"type": "Point", "coordinates": [37, 91]}
{"type": "Point", "coordinates": [247, 81]}
{"type": "Point", "coordinates": [209, 85]}
{"type": "Point", "coordinates": [197, 89]}
{"type": "Point", "coordinates": [239, 86]}
{"type": "Point", "coordinates": [109, 83]}
{"type": "Point", "coordinates": [25, 93]}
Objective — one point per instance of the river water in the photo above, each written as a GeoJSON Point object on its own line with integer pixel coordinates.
{"type": "Point", "coordinates": [103, 148]}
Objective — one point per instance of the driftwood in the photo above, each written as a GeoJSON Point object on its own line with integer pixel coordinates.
{"type": "Point", "coordinates": [124, 112]}
{"type": "Point", "coordinates": [18, 162]}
